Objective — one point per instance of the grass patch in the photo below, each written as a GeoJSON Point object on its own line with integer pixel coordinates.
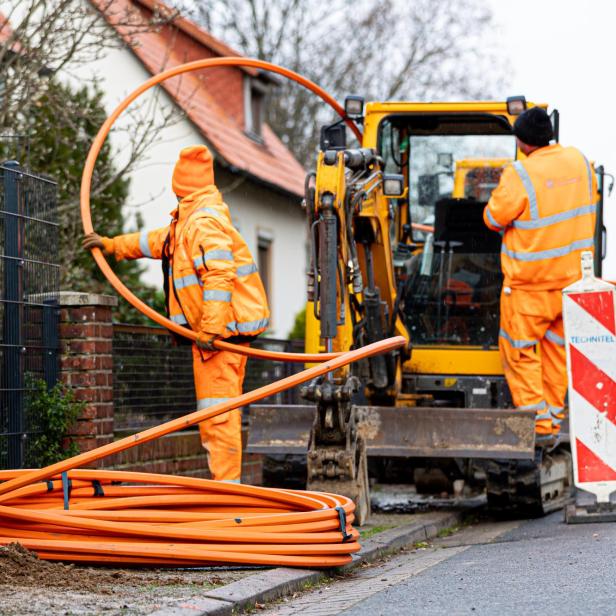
{"type": "Point", "coordinates": [375, 530]}
{"type": "Point", "coordinates": [447, 532]}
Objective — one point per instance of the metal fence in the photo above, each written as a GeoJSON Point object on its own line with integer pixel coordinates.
{"type": "Point", "coordinates": [30, 275]}
{"type": "Point", "coordinates": [153, 378]}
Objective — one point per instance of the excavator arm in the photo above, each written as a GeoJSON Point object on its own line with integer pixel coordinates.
{"type": "Point", "coordinates": [354, 291]}
{"type": "Point", "coordinates": [353, 299]}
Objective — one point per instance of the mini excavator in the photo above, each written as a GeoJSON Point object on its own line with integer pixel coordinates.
{"type": "Point", "coordinates": [399, 247]}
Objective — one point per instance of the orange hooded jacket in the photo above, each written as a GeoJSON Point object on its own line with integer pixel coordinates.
{"type": "Point", "coordinates": [214, 285]}
{"type": "Point", "coordinates": [545, 207]}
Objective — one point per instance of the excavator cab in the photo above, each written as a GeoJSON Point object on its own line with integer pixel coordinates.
{"type": "Point", "coordinates": [450, 301]}
{"type": "Point", "coordinates": [416, 261]}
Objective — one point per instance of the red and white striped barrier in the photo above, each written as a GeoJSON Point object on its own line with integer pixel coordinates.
{"type": "Point", "coordinates": [589, 313]}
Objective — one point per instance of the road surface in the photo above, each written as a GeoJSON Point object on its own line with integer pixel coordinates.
{"type": "Point", "coordinates": [529, 567]}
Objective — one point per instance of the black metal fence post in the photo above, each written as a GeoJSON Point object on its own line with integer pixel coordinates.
{"type": "Point", "coordinates": [50, 342]}
{"type": "Point", "coordinates": [13, 314]}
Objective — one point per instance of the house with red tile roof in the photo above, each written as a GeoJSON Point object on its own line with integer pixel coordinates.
{"type": "Point", "coordinates": [224, 108]}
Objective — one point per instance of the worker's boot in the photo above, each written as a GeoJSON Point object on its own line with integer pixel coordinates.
{"type": "Point", "coordinates": [558, 415]}
{"type": "Point", "coordinates": [544, 429]}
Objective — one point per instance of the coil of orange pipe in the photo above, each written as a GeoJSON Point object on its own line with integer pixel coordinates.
{"type": "Point", "coordinates": [66, 513]}
{"type": "Point", "coordinates": [201, 522]}
{"type": "Point", "coordinates": [115, 517]}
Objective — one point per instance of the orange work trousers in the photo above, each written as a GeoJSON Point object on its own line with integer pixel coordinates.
{"type": "Point", "coordinates": [532, 349]}
{"type": "Point", "coordinates": [218, 377]}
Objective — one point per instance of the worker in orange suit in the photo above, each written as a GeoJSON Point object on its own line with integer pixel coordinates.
{"type": "Point", "coordinates": [212, 286]}
{"type": "Point", "coordinates": [544, 206]}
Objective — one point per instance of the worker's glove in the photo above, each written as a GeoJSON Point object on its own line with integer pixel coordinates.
{"type": "Point", "coordinates": [206, 342]}
{"type": "Point", "coordinates": [94, 240]}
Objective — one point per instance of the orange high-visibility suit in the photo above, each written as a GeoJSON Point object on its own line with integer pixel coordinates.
{"type": "Point", "coordinates": [545, 208]}
{"type": "Point", "coordinates": [214, 288]}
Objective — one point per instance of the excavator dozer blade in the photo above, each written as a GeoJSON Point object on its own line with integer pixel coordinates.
{"type": "Point", "coordinates": [414, 432]}
{"type": "Point", "coordinates": [280, 428]}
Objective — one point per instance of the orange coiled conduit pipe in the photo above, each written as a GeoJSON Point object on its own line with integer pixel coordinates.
{"type": "Point", "coordinates": [67, 513]}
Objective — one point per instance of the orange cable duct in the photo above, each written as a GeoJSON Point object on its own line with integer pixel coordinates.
{"type": "Point", "coordinates": [101, 516]}
{"type": "Point", "coordinates": [422, 227]}
{"type": "Point", "coordinates": [86, 182]}
{"type": "Point", "coordinates": [163, 520]}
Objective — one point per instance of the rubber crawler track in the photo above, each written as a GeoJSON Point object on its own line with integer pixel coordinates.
{"type": "Point", "coordinates": [514, 487]}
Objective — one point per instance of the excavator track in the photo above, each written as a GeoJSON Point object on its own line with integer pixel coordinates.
{"type": "Point", "coordinates": [530, 488]}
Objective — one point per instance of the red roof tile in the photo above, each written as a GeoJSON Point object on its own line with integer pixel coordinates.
{"type": "Point", "coordinates": [212, 99]}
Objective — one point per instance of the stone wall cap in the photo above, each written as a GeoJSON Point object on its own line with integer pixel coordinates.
{"type": "Point", "coordinates": [73, 298]}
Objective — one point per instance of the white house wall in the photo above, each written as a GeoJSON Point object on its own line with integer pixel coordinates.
{"type": "Point", "coordinates": [253, 206]}
{"type": "Point", "coordinates": [256, 210]}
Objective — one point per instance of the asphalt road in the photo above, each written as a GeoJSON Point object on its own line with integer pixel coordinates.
{"type": "Point", "coordinates": [531, 567]}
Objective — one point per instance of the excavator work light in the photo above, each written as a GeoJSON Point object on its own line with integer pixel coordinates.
{"type": "Point", "coordinates": [516, 105]}
{"type": "Point", "coordinates": [354, 107]}
{"type": "Point", "coordinates": [393, 185]}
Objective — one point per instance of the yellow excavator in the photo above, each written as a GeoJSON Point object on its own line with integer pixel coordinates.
{"type": "Point", "coordinates": [398, 246]}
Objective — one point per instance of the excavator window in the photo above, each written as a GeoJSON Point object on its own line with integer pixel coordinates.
{"type": "Point", "coordinates": [453, 277]}
{"type": "Point", "coordinates": [478, 161]}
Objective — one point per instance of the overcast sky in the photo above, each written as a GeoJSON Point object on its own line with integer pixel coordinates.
{"type": "Point", "coordinates": [563, 53]}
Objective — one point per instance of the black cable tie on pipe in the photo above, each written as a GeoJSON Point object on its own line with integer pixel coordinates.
{"type": "Point", "coordinates": [98, 488]}
{"type": "Point", "coordinates": [343, 524]}
{"type": "Point", "coordinates": [67, 486]}
{"type": "Point", "coordinates": [49, 483]}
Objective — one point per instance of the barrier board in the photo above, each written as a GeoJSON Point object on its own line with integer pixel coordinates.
{"type": "Point", "coordinates": [590, 339]}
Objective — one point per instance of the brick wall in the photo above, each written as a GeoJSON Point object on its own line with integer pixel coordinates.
{"type": "Point", "coordinates": [86, 365]}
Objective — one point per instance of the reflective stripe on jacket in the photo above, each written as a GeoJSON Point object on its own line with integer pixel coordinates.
{"type": "Point", "coordinates": [545, 207]}
{"type": "Point", "coordinates": [214, 283]}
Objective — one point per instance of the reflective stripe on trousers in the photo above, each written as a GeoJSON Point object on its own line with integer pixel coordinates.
{"type": "Point", "coordinates": [217, 378]}
{"type": "Point", "coordinates": [537, 380]}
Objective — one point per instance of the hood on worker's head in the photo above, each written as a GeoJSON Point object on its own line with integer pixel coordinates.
{"type": "Point", "coordinates": [193, 171]}
{"type": "Point", "coordinates": [534, 127]}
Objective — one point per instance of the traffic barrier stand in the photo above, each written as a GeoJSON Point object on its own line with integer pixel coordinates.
{"type": "Point", "coordinates": [589, 309]}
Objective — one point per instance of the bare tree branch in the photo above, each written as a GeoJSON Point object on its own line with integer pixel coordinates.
{"type": "Point", "coordinates": [379, 48]}
{"type": "Point", "coordinates": [44, 45]}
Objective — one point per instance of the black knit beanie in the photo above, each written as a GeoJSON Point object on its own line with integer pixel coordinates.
{"type": "Point", "coordinates": [533, 127]}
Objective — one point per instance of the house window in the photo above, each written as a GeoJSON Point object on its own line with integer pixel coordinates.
{"type": "Point", "coordinates": [264, 262]}
{"type": "Point", "coordinates": [255, 93]}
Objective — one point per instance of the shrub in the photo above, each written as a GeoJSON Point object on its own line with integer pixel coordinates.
{"type": "Point", "coordinates": [50, 413]}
